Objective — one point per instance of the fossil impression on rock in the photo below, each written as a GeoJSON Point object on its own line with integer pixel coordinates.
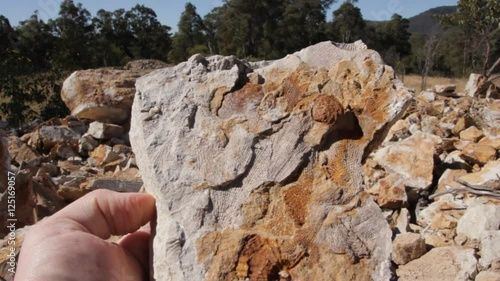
{"type": "Point", "coordinates": [257, 167]}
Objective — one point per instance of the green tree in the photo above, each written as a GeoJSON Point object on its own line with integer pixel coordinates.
{"type": "Point", "coordinates": [348, 24]}
{"type": "Point", "coordinates": [152, 40]}
{"type": "Point", "coordinates": [304, 23]}
{"type": "Point", "coordinates": [394, 41]}
{"type": "Point", "coordinates": [107, 52]}
{"type": "Point", "coordinates": [479, 19]}
{"type": "Point", "coordinates": [8, 36]}
{"type": "Point", "coordinates": [36, 43]}
{"type": "Point", "coordinates": [76, 36]}
{"type": "Point", "coordinates": [190, 37]}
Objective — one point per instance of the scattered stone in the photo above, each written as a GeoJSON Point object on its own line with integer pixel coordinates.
{"type": "Point", "coordinates": [52, 135]}
{"type": "Point", "coordinates": [21, 153]}
{"type": "Point", "coordinates": [461, 124]}
{"type": "Point", "coordinates": [87, 143]}
{"type": "Point", "coordinates": [471, 134]}
{"type": "Point", "coordinates": [449, 179]}
{"type": "Point", "coordinates": [490, 247]}
{"type": "Point", "coordinates": [391, 192]}
{"type": "Point", "coordinates": [455, 161]}
{"type": "Point", "coordinates": [490, 114]}
{"type": "Point", "coordinates": [444, 263]}
{"type": "Point", "coordinates": [427, 96]}
{"type": "Point", "coordinates": [403, 221]}
{"type": "Point", "coordinates": [103, 95]}
{"type": "Point", "coordinates": [488, 177]}
{"type": "Point", "coordinates": [475, 85]}
{"type": "Point", "coordinates": [412, 158]}
{"type": "Point", "coordinates": [493, 142]}
{"type": "Point", "coordinates": [50, 169]}
{"type": "Point", "coordinates": [479, 218]}
{"type": "Point", "coordinates": [479, 153]}
{"type": "Point", "coordinates": [460, 239]}
{"type": "Point", "coordinates": [398, 131]}
{"type": "Point", "coordinates": [104, 154]}
{"type": "Point", "coordinates": [445, 90]}
{"type": "Point", "coordinates": [407, 247]}
{"type": "Point", "coordinates": [488, 276]}
{"type": "Point", "coordinates": [105, 131]}
{"type": "Point", "coordinates": [63, 151]}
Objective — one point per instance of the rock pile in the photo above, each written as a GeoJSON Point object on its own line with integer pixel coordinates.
{"type": "Point", "coordinates": [284, 170]}
{"type": "Point", "coordinates": [437, 178]}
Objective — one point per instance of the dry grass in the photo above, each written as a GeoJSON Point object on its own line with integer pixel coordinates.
{"type": "Point", "coordinates": [414, 81]}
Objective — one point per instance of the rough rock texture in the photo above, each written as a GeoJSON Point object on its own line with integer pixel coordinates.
{"type": "Point", "coordinates": [490, 247]}
{"type": "Point", "coordinates": [104, 95]}
{"type": "Point", "coordinates": [441, 264]}
{"type": "Point", "coordinates": [411, 158]}
{"type": "Point", "coordinates": [407, 247]}
{"type": "Point", "coordinates": [263, 181]}
{"type": "Point", "coordinates": [100, 130]}
{"type": "Point", "coordinates": [479, 218]}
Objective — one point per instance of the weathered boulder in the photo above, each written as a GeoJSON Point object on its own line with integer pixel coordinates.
{"type": "Point", "coordinates": [441, 264]}
{"type": "Point", "coordinates": [20, 152]}
{"type": "Point", "coordinates": [412, 158]}
{"type": "Point", "coordinates": [490, 247]}
{"type": "Point", "coordinates": [447, 90]}
{"type": "Point", "coordinates": [488, 177]}
{"type": "Point", "coordinates": [49, 136]}
{"type": "Point", "coordinates": [407, 247]}
{"type": "Point", "coordinates": [471, 134]}
{"type": "Point", "coordinates": [104, 95]}
{"type": "Point", "coordinates": [101, 130]}
{"type": "Point", "coordinates": [479, 218]}
{"type": "Point", "coordinates": [263, 181]}
{"type": "Point", "coordinates": [479, 153]}
{"type": "Point", "coordinates": [488, 276]}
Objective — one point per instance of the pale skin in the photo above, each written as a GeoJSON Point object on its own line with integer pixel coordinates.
{"type": "Point", "coordinates": [71, 244]}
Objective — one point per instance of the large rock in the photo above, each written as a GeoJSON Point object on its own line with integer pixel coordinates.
{"type": "Point", "coordinates": [412, 158]}
{"type": "Point", "coordinates": [20, 152]}
{"type": "Point", "coordinates": [490, 247]}
{"type": "Point", "coordinates": [104, 95]}
{"type": "Point", "coordinates": [479, 218]}
{"type": "Point", "coordinates": [488, 177]}
{"type": "Point", "coordinates": [263, 181]}
{"type": "Point", "coordinates": [407, 247]}
{"type": "Point", "coordinates": [441, 264]}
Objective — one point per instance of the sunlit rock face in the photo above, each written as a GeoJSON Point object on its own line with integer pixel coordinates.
{"type": "Point", "coordinates": [257, 173]}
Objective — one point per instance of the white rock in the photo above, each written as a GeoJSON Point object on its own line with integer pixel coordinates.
{"type": "Point", "coordinates": [490, 247]}
{"type": "Point", "coordinates": [221, 182]}
{"type": "Point", "coordinates": [441, 264]}
{"type": "Point", "coordinates": [479, 218]}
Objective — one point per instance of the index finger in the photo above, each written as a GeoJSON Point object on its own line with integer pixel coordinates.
{"type": "Point", "coordinates": [104, 213]}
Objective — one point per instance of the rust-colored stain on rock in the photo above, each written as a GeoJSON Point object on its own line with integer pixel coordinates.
{"type": "Point", "coordinates": [327, 109]}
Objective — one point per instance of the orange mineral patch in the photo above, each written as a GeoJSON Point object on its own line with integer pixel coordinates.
{"type": "Point", "coordinates": [327, 109]}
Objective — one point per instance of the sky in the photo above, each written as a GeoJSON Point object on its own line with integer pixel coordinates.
{"type": "Point", "coordinates": [169, 11]}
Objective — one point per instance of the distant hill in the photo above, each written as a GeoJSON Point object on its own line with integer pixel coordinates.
{"type": "Point", "coordinates": [426, 23]}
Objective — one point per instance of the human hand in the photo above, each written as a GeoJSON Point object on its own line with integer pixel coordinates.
{"type": "Point", "coordinates": [70, 244]}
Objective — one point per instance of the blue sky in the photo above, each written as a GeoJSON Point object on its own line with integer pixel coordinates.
{"type": "Point", "coordinates": [169, 11]}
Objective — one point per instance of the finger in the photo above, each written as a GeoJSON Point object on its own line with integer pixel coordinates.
{"type": "Point", "coordinates": [137, 244]}
{"type": "Point", "coordinates": [104, 213]}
